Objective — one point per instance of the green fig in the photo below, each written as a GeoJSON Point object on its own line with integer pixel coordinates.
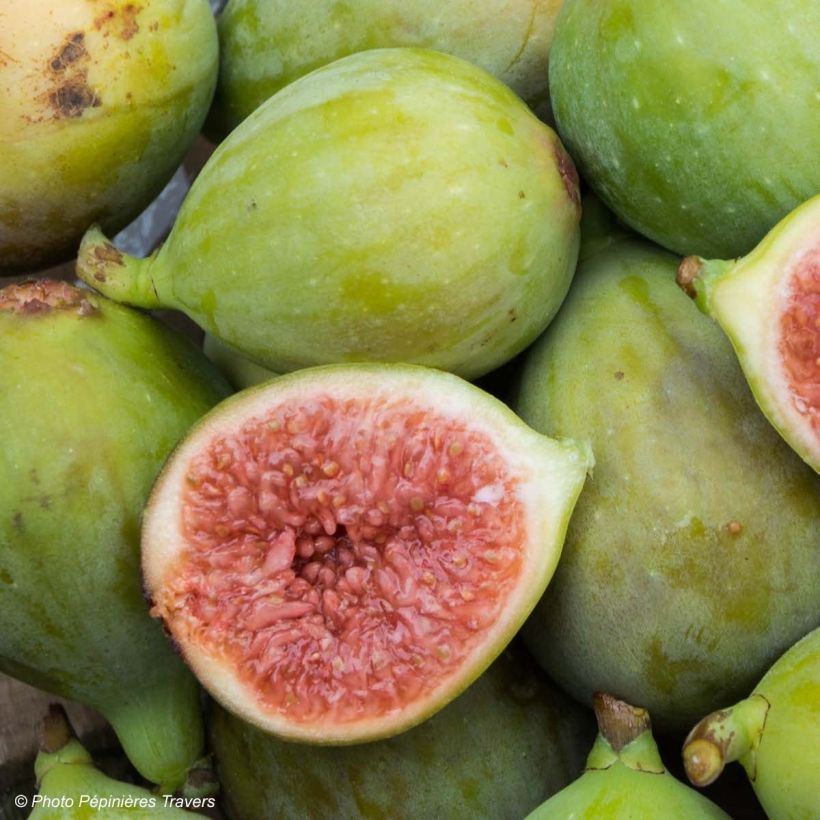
{"type": "Point", "coordinates": [396, 205]}
{"type": "Point", "coordinates": [692, 556]}
{"type": "Point", "coordinates": [94, 396]}
{"type": "Point", "coordinates": [101, 100]}
{"type": "Point", "coordinates": [498, 750]}
{"type": "Point", "coordinates": [774, 733]}
{"type": "Point", "coordinates": [625, 777]}
{"type": "Point", "coordinates": [266, 44]}
{"type": "Point", "coordinates": [71, 788]}
{"type": "Point", "coordinates": [696, 122]}
{"type": "Point", "coordinates": [768, 304]}
{"type": "Point", "coordinates": [238, 370]}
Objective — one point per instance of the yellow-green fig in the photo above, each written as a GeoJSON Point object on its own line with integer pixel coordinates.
{"type": "Point", "coordinates": [99, 101]}
{"type": "Point", "coordinates": [625, 778]}
{"type": "Point", "coordinates": [774, 734]}
{"type": "Point", "coordinates": [768, 304]}
{"type": "Point", "coordinates": [238, 370]}
{"type": "Point", "coordinates": [692, 557]}
{"type": "Point", "coordinates": [93, 397]}
{"type": "Point", "coordinates": [266, 44]}
{"type": "Point", "coordinates": [398, 205]}
{"type": "Point", "coordinates": [71, 788]}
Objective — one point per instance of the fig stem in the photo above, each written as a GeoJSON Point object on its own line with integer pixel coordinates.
{"type": "Point", "coordinates": [724, 736]}
{"type": "Point", "coordinates": [115, 274]}
{"type": "Point", "coordinates": [618, 722]}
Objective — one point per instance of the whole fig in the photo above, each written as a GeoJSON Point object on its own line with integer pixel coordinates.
{"type": "Point", "coordinates": [94, 396]}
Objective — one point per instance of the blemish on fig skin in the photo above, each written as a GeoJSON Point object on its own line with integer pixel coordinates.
{"type": "Point", "coordinates": [619, 375]}
{"type": "Point", "coordinates": [72, 51]}
{"type": "Point", "coordinates": [73, 98]}
{"type": "Point", "coordinates": [569, 174]}
{"type": "Point", "coordinates": [130, 24]}
{"type": "Point", "coordinates": [734, 528]}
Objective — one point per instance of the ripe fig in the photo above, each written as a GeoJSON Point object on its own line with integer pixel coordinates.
{"type": "Point", "coordinates": [506, 744]}
{"type": "Point", "coordinates": [238, 370]}
{"type": "Point", "coordinates": [774, 733]}
{"type": "Point", "coordinates": [339, 552]}
{"type": "Point", "coordinates": [101, 100]}
{"type": "Point", "coordinates": [93, 398]}
{"type": "Point", "coordinates": [768, 304]}
{"type": "Point", "coordinates": [695, 122]}
{"type": "Point", "coordinates": [266, 44]}
{"type": "Point", "coordinates": [625, 777]}
{"type": "Point", "coordinates": [691, 560]}
{"type": "Point", "coordinates": [397, 205]}
{"type": "Point", "coordinates": [71, 788]}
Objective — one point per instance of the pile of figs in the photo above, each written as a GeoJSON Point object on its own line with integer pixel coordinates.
{"type": "Point", "coordinates": [414, 456]}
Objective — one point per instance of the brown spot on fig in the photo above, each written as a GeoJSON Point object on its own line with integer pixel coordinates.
{"type": "Point", "coordinates": [39, 296]}
{"type": "Point", "coordinates": [734, 528]}
{"type": "Point", "coordinates": [73, 50]}
{"type": "Point", "coordinates": [522, 195]}
{"type": "Point", "coordinates": [72, 98]}
{"type": "Point", "coordinates": [108, 253]}
{"type": "Point", "coordinates": [130, 24]}
{"type": "Point", "coordinates": [100, 21]}
{"type": "Point", "coordinates": [569, 174]}
{"type": "Point", "coordinates": [619, 374]}
{"type": "Point", "coordinates": [688, 271]}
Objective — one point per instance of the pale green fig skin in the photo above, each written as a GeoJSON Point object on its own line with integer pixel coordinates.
{"type": "Point", "coordinates": [631, 782]}
{"type": "Point", "coordinates": [503, 746]}
{"type": "Point", "coordinates": [397, 205]}
{"type": "Point", "coordinates": [73, 482]}
{"type": "Point", "coordinates": [774, 733]}
{"type": "Point", "coordinates": [97, 138]}
{"type": "Point", "coordinates": [238, 370]}
{"type": "Point", "coordinates": [266, 45]}
{"type": "Point", "coordinates": [695, 123]}
{"type": "Point", "coordinates": [66, 776]}
{"type": "Point", "coordinates": [745, 296]}
{"type": "Point", "coordinates": [691, 559]}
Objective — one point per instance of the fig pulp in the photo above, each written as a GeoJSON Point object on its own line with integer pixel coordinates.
{"type": "Point", "coordinates": [101, 100]}
{"type": "Point", "coordinates": [267, 44]}
{"type": "Point", "coordinates": [71, 788]}
{"type": "Point", "coordinates": [503, 746]}
{"type": "Point", "coordinates": [768, 303]}
{"type": "Point", "coordinates": [93, 398]}
{"type": "Point", "coordinates": [397, 205]}
{"type": "Point", "coordinates": [339, 552]}
{"type": "Point", "coordinates": [774, 733]}
{"type": "Point", "coordinates": [625, 777]}
{"type": "Point", "coordinates": [695, 122]}
{"type": "Point", "coordinates": [691, 560]}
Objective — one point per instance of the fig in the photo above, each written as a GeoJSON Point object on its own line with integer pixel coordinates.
{"type": "Point", "coordinates": [504, 745]}
{"type": "Point", "coordinates": [71, 788]}
{"type": "Point", "coordinates": [73, 482]}
{"type": "Point", "coordinates": [238, 370]}
{"type": "Point", "coordinates": [339, 552]}
{"type": "Point", "coordinates": [774, 733]}
{"type": "Point", "coordinates": [101, 100]}
{"type": "Point", "coordinates": [768, 304]}
{"type": "Point", "coordinates": [625, 777]}
{"type": "Point", "coordinates": [691, 560]}
{"type": "Point", "coordinates": [695, 122]}
{"type": "Point", "coordinates": [264, 45]}
{"type": "Point", "coordinates": [396, 205]}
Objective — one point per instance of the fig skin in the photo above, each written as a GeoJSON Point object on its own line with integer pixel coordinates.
{"type": "Point", "coordinates": [267, 44]}
{"type": "Point", "coordinates": [625, 777]}
{"type": "Point", "coordinates": [101, 100]}
{"type": "Point", "coordinates": [398, 205]}
{"type": "Point", "coordinates": [774, 733]}
{"type": "Point", "coordinates": [696, 123]}
{"type": "Point", "coordinates": [500, 748]}
{"type": "Point", "coordinates": [65, 771]}
{"type": "Point", "coordinates": [691, 559]}
{"type": "Point", "coordinates": [238, 370]}
{"type": "Point", "coordinates": [73, 482]}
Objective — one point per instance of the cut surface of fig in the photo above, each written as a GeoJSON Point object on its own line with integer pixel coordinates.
{"type": "Point", "coordinates": [339, 553]}
{"type": "Point", "coordinates": [768, 303]}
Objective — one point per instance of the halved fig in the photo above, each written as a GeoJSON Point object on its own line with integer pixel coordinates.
{"type": "Point", "coordinates": [768, 304]}
{"type": "Point", "coordinates": [340, 552]}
